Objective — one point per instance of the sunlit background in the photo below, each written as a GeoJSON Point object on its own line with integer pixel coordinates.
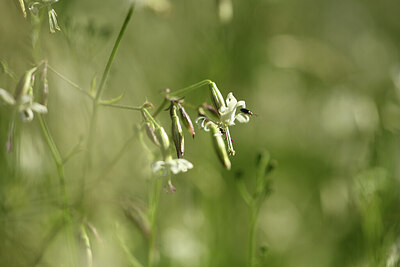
{"type": "Point", "coordinates": [322, 77]}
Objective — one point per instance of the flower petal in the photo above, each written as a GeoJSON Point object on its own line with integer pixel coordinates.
{"type": "Point", "coordinates": [6, 97]}
{"type": "Point", "coordinates": [242, 118]}
{"type": "Point", "coordinates": [157, 166]}
{"type": "Point", "coordinates": [39, 108]}
{"type": "Point", "coordinates": [231, 101]}
{"type": "Point", "coordinates": [26, 114]}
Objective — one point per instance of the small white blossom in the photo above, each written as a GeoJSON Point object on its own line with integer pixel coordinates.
{"type": "Point", "coordinates": [25, 105]}
{"type": "Point", "coordinates": [228, 113]}
{"type": "Point", "coordinates": [174, 165]}
{"type": "Point", "coordinates": [227, 117]}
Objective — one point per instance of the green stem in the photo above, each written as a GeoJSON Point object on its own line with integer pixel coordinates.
{"type": "Point", "coordinates": [152, 218]}
{"type": "Point", "coordinates": [180, 92]}
{"type": "Point", "coordinates": [113, 52]}
{"type": "Point", "coordinates": [253, 214]}
{"type": "Point", "coordinates": [97, 98]}
{"type": "Point", "coordinates": [121, 106]}
{"type": "Point", "coordinates": [70, 82]}
{"type": "Point", "coordinates": [61, 175]}
{"type": "Point", "coordinates": [185, 90]}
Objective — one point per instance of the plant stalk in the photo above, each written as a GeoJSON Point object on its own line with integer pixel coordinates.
{"type": "Point", "coordinates": [152, 218]}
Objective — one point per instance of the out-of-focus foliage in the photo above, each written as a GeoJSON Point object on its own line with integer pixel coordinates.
{"type": "Point", "coordinates": [323, 78]}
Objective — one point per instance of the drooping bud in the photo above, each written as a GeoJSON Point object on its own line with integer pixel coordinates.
{"type": "Point", "coordinates": [53, 21]}
{"type": "Point", "coordinates": [219, 146]}
{"type": "Point", "coordinates": [216, 97]}
{"type": "Point", "coordinates": [177, 133]}
{"type": "Point", "coordinates": [186, 120]}
{"type": "Point", "coordinates": [150, 131]}
{"type": "Point", "coordinates": [24, 84]}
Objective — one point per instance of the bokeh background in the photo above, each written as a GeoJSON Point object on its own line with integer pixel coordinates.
{"type": "Point", "coordinates": [323, 78]}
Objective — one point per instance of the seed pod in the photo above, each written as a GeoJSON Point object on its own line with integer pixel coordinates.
{"type": "Point", "coordinates": [210, 109]}
{"type": "Point", "coordinates": [24, 84]}
{"type": "Point", "coordinates": [150, 131]}
{"type": "Point", "coordinates": [177, 133]}
{"type": "Point", "coordinates": [219, 146]}
{"type": "Point", "coordinates": [162, 137]}
{"type": "Point", "coordinates": [216, 97]}
{"type": "Point", "coordinates": [44, 89]}
{"type": "Point", "coordinates": [186, 120]}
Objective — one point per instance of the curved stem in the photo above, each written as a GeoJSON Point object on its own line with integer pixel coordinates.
{"type": "Point", "coordinates": [152, 218]}
{"type": "Point", "coordinates": [185, 90]}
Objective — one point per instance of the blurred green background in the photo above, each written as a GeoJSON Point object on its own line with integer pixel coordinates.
{"type": "Point", "coordinates": [323, 78]}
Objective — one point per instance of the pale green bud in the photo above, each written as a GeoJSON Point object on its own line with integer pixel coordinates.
{"type": "Point", "coordinates": [216, 97]}
{"type": "Point", "coordinates": [24, 84]}
{"type": "Point", "coordinates": [162, 137]}
{"type": "Point", "coordinates": [177, 133]}
{"type": "Point", "coordinates": [219, 146]}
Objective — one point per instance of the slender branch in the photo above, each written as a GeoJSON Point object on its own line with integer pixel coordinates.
{"type": "Point", "coordinates": [185, 90]}
{"type": "Point", "coordinates": [180, 92]}
{"type": "Point", "coordinates": [251, 241]}
{"type": "Point", "coordinates": [97, 99]}
{"type": "Point", "coordinates": [113, 52]}
{"type": "Point", "coordinates": [121, 106]}
{"type": "Point", "coordinates": [80, 89]}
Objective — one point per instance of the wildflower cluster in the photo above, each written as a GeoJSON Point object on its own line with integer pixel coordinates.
{"type": "Point", "coordinates": [216, 119]}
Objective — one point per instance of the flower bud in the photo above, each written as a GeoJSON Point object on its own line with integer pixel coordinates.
{"type": "Point", "coordinates": [162, 137]}
{"type": "Point", "coordinates": [24, 84]}
{"type": "Point", "coordinates": [219, 146]}
{"type": "Point", "coordinates": [216, 97]}
{"type": "Point", "coordinates": [44, 87]}
{"type": "Point", "coordinates": [177, 133]}
{"type": "Point", "coordinates": [186, 120]}
{"type": "Point", "coordinates": [210, 109]}
{"type": "Point", "coordinates": [151, 133]}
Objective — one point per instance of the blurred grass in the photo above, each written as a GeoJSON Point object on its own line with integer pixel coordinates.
{"type": "Point", "coordinates": [323, 79]}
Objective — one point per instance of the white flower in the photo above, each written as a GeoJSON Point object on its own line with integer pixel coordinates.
{"type": "Point", "coordinates": [174, 165]}
{"type": "Point", "coordinates": [227, 117]}
{"type": "Point", "coordinates": [228, 113]}
{"type": "Point", "coordinates": [24, 104]}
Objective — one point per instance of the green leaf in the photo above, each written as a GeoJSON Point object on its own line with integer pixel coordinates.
{"type": "Point", "coordinates": [112, 101]}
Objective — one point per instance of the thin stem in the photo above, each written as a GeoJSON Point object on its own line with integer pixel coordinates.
{"type": "Point", "coordinates": [61, 175]}
{"type": "Point", "coordinates": [185, 90]}
{"type": "Point", "coordinates": [152, 218]}
{"type": "Point", "coordinates": [121, 106]}
{"type": "Point", "coordinates": [113, 52]}
{"type": "Point", "coordinates": [150, 117]}
{"type": "Point", "coordinates": [80, 89]}
{"type": "Point", "coordinates": [181, 92]}
{"type": "Point", "coordinates": [253, 212]}
{"type": "Point", "coordinates": [97, 99]}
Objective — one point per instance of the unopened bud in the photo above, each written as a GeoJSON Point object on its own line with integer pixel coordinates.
{"type": "Point", "coordinates": [177, 133]}
{"type": "Point", "coordinates": [44, 87]}
{"type": "Point", "coordinates": [216, 97]}
{"type": "Point", "coordinates": [24, 84]}
{"type": "Point", "coordinates": [219, 146]}
{"type": "Point", "coordinates": [162, 137]}
{"type": "Point", "coordinates": [186, 120]}
{"type": "Point", "coordinates": [210, 109]}
{"type": "Point", "coordinates": [150, 131]}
